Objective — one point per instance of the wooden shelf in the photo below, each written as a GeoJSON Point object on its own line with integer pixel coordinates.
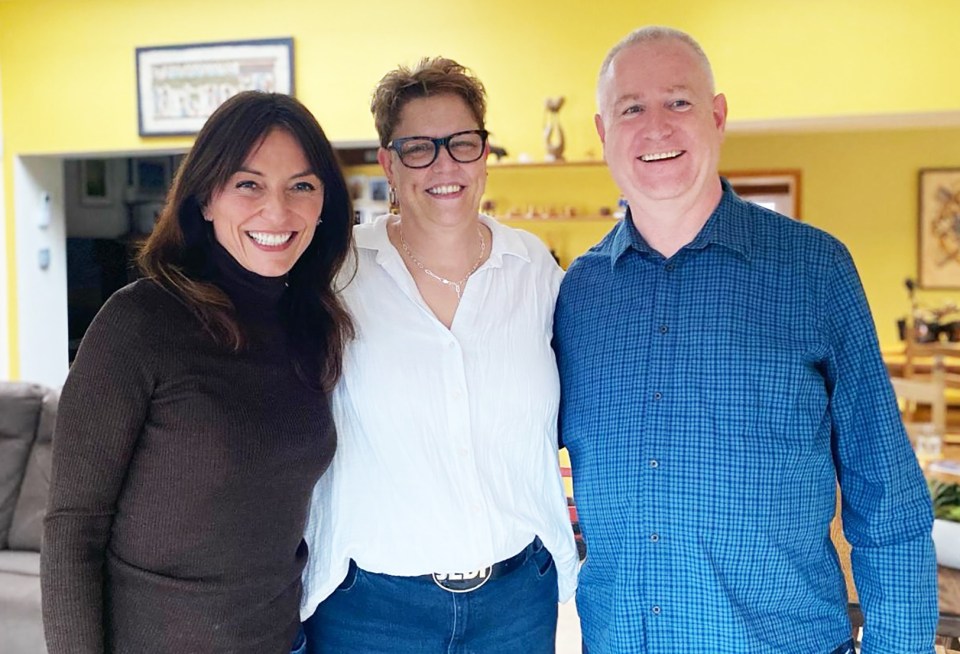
{"type": "Point", "coordinates": [492, 165]}
{"type": "Point", "coordinates": [520, 220]}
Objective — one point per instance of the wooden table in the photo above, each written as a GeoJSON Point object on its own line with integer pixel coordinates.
{"type": "Point", "coordinates": [949, 582]}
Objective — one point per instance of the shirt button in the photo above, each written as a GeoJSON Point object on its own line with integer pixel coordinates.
{"type": "Point", "coordinates": [669, 267]}
{"type": "Point", "coordinates": [654, 538]}
{"type": "Point", "coordinates": [456, 395]}
{"type": "Point", "coordinates": [656, 610]}
{"type": "Point", "coordinates": [451, 345]}
{"type": "Point", "coordinates": [664, 329]}
{"type": "Point", "coordinates": [658, 395]}
{"type": "Point", "coordinates": [654, 463]}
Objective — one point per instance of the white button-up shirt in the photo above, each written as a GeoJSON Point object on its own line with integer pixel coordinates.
{"type": "Point", "coordinates": [447, 438]}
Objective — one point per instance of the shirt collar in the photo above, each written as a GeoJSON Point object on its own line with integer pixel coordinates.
{"type": "Point", "coordinates": [506, 241]}
{"type": "Point", "coordinates": [724, 228]}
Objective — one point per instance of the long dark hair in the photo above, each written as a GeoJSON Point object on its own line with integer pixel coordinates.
{"type": "Point", "coordinates": [177, 255]}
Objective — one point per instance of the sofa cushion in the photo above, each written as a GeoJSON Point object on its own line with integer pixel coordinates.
{"type": "Point", "coordinates": [21, 624]}
{"type": "Point", "coordinates": [19, 415]}
{"type": "Point", "coordinates": [24, 564]}
{"type": "Point", "coordinates": [26, 528]}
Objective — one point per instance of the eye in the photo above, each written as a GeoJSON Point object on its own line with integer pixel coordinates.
{"type": "Point", "coordinates": [680, 105]}
{"type": "Point", "coordinates": [632, 109]}
{"type": "Point", "coordinates": [416, 148]}
{"type": "Point", "coordinates": [246, 184]}
{"type": "Point", "coordinates": [465, 144]}
{"type": "Point", "coordinates": [304, 187]}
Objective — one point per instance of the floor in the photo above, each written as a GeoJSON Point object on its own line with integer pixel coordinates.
{"type": "Point", "coordinates": [568, 629]}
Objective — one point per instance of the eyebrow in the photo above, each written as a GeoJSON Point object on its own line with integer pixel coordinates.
{"type": "Point", "coordinates": [251, 171]}
{"type": "Point", "coordinates": [631, 97]}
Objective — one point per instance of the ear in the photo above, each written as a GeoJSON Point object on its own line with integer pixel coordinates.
{"type": "Point", "coordinates": [720, 112]}
{"type": "Point", "coordinates": [385, 157]}
{"type": "Point", "coordinates": [598, 121]}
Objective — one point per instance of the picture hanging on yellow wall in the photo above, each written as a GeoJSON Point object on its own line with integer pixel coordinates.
{"type": "Point", "coordinates": [179, 86]}
{"type": "Point", "coordinates": [938, 256]}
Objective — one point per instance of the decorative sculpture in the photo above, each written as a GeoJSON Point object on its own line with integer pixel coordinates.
{"type": "Point", "coordinates": [553, 132]}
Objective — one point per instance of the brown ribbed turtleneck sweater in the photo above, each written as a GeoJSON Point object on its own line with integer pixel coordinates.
{"type": "Point", "coordinates": [181, 478]}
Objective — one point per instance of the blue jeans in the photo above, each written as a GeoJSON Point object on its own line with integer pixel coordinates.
{"type": "Point", "coordinates": [299, 643]}
{"type": "Point", "coordinates": [375, 613]}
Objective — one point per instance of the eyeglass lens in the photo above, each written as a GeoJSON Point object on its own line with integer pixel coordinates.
{"type": "Point", "coordinates": [421, 152]}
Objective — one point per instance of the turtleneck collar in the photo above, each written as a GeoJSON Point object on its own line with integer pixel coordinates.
{"type": "Point", "coordinates": [251, 294]}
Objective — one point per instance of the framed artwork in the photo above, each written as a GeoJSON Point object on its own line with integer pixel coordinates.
{"type": "Point", "coordinates": [179, 86]}
{"type": "Point", "coordinates": [938, 238]}
{"type": "Point", "coordinates": [150, 177]}
{"type": "Point", "coordinates": [370, 197]}
{"type": "Point", "coordinates": [94, 182]}
{"type": "Point", "coordinates": [778, 190]}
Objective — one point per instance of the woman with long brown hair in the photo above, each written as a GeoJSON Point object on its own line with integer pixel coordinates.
{"type": "Point", "coordinates": [195, 421]}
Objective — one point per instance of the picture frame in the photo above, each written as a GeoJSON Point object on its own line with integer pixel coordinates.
{"type": "Point", "coordinates": [179, 86]}
{"type": "Point", "coordinates": [94, 182]}
{"type": "Point", "coordinates": [370, 195]}
{"type": "Point", "coordinates": [938, 228]}
{"type": "Point", "coordinates": [150, 178]}
{"type": "Point", "coordinates": [778, 190]}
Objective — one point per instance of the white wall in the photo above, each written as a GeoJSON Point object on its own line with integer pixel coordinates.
{"type": "Point", "coordinates": [4, 300]}
{"type": "Point", "coordinates": [41, 292]}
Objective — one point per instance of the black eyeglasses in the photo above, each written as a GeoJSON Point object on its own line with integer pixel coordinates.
{"type": "Point", "coordinates": [422, 151]}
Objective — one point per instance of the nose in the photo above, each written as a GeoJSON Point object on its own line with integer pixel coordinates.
{"type": "Point", "coordinates": [274, 205]}
{"type": "Point", "coordinates": [659, 124]}
{"type": "Point", "coordinates": [444, 159]}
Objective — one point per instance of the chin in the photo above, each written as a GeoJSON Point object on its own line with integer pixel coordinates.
{"type": "Point", "coordinates": [270, 270]}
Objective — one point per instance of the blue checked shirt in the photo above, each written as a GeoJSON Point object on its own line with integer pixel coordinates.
{"type": "Point", "coordinates": [710, 403]}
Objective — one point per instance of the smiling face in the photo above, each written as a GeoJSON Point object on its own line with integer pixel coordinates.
{"type": "Point", "coordinates": [661, 126]}
{"type": "Point", "coordinates": [266, 214]}
{"type": "Point", "coordinates": [446, 192]}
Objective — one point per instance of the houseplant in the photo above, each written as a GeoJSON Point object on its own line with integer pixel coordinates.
{"type": "Point", "coordinates": [946, 526]}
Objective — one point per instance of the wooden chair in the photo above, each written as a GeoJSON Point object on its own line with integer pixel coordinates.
{"type": "Point", "coordinates": [931, 391]}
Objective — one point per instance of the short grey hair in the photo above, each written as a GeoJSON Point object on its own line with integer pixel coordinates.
{"type": "Point", "coordinates": [651, 34]}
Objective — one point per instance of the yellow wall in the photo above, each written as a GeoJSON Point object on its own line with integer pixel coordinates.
{"type": "Point", "coordinates": [862, 188]}
{"type": "Point", "coordinates": [68, 82]}
{"type": "Point", "coordinates": [859, 186]}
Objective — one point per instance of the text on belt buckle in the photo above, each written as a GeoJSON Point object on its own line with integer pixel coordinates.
{"type": "Point", "coordinates": [462, 582]}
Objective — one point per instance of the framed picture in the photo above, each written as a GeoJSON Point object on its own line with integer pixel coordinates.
{"type": "Point", "coordinates": [938, 238]}
{"type": "Point", "coordinates": [150, 177]}
{"type": "Point", "coordinates": [379, 189]}
{"type": "Point", "coordinates": [179, 86]}
{"type": "Point", "coordinates": [94, 182]}
{"type": "Point", "coordinates": [778, 190]}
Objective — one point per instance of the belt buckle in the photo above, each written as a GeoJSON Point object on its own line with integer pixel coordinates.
{"type": "Point", "coordinates": [462, 582]}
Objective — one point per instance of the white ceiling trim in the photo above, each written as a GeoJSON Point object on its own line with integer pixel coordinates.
{"type": "Point", "coordinates": [851, 123]}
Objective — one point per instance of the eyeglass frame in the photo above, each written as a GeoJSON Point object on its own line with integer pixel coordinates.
{"type": "Point", "coordinates": [444, 141]}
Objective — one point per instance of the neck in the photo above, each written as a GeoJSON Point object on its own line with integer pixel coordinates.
{"type": "Point", "coordinates": [447, 247]}
{"type": "Point", "coordinates": [462, 258]}
{"type": "Point", "coordinates": [668, 225]}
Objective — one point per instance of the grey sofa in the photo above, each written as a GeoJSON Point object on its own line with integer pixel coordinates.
{"type": "Point", "coordinates": [27, 415]}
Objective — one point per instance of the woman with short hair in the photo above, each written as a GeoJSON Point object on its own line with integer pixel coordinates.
{"type": "Point", "coordinates": [442, 524]}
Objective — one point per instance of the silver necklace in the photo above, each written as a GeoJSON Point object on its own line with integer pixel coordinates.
{"type": "Point", "coordinates": [457, 286]}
